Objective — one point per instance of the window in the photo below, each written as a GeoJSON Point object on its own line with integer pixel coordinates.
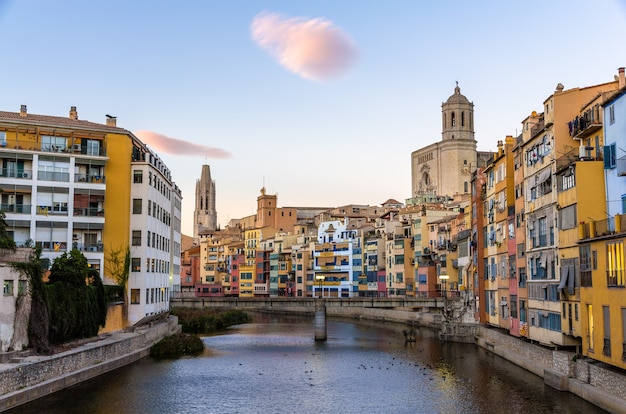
{"type": "Point", "coordinates": [567, 218]}
{"type": "Point", "coordinates": [584, 252]}
{"type": "Point", "coordinates": [611, 114]}
{"type": "Point", "coordinates": [136, 238]}
{"type": "Point", "coordinates": [22, 286]}
{"type": "Point", "coordinates": [623, 334]}
{"type": "Point", "coordinates": [606, 319]}
{"type": "Point", "coordinates": [615, 264]}
{"type": "Point", "coordinates": [609, 156]}
{"type": "Point", "coordinates": [514, 306]}
{"type": "Point", "coordinates": [8, 288]}
{"type": "Point", "coordinates": [134, 296]}
{"type": "Point", "coordinates": [135, 265]}
{"type": "Point", "coordinates": [137, 204]}
{"type": "Point", "coordinates": [137, 176]}
{"type": "Point", "coordinates": [522, 277]}
{"type": "Point", "coordinates": [93, 147]}
{"type": "Point", "coordinates": [543, 232]}
{"type": "Point", "coordinates": [54, 144]}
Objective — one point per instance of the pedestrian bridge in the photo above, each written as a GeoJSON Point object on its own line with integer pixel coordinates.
{"type": "Point", "coordinates": [306, 304]}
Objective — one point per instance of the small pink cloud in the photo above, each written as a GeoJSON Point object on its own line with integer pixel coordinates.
{"type": "Point", "coordinates": [311, 48]}
{"type": "Point", "coordinates": [176, 146]}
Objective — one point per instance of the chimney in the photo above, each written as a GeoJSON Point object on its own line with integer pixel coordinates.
{"type": "Point", "coordinates": [622, 80]}
{"type": "Point", "coordinates": [73, 113]}
{"type": "Point", "coordinates": [23, 110]}
{"type": "Point", "coordinates": [111, 120]}
{"type": "Point", "coordinates": [500, 147]}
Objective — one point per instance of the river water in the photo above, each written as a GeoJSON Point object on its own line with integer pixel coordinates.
{"type": "Point", "coordinates": [274, 366]}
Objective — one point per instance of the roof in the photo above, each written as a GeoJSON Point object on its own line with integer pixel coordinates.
{"type": "Point", "coordinates": [457, 97]}
{"type": "Point", "coordinates": [56, 121]}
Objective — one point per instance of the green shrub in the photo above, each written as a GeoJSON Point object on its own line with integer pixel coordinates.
{"type": "Point", "coordinates": [176, 346]}
{"type": "Point", "coordinates": [208, 320]}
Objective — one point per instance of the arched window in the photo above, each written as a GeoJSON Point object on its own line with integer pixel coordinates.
{"type": "Point", "coordinates": [465, 187]}
{"type": "Point", "coordinates": [452, 119]}
{"type": "Point", "coordinates": [462, 118]}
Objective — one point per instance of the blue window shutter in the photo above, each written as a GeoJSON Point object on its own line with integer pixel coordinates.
{"type": "Point", "coordinates": [609, 156]}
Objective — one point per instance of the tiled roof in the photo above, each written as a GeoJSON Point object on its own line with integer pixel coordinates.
{"type": "Point", "coordinates": [55, 121]}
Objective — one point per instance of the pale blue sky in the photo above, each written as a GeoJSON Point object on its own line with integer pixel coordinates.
{"type": "Point", "coordinates": [191, 71]}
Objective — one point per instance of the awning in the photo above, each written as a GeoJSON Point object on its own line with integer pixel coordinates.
{"type": "Point", "coordinates": [568, 278]}
{"type": "Point", "coordinates": [543, 175]}
{"type": "Point", "coordinates": [564, 277]}
{"type": "Point", "coordinates": [572, 279]}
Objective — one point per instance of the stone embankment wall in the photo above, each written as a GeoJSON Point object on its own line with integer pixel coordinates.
{"type": "Point", "coordinates": [25, 379]}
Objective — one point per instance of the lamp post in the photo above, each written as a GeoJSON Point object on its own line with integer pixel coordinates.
{"type": "Point", "coordinates": [444, 279]}
{"type": "Point", "coordinates": [320, 279]}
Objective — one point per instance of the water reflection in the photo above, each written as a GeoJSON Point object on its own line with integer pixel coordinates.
{"type": "Point", "coordinates": [274, 366]}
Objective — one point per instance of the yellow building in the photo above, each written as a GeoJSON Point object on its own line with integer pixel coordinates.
{"type": "Point", "coordinates": [602, 279]}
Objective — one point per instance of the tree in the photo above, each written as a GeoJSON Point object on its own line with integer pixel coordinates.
{"type": "Point", "coordinates": [117, 266]}
{"type": "Point", "coordinates": [6, 241]}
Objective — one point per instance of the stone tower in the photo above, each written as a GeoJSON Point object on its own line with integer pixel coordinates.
{"type": "Point", "coordinates": [444, 168]}
{"type": "Point", "coordinates": [204, 215]}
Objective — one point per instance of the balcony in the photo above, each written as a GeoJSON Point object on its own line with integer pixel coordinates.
{"type": "Point", "coordinates": [586, 124]}
{"type": "Point", "coordinates": [16, 208]}
{"type": "Point", "coordinates": [88, 178]}
{"type": "Point", "coordinates": [89, 212]}
{"type": "Point", "coordinates": [605, 227]}
{"type": "Point", "coordinates": [16, 173]}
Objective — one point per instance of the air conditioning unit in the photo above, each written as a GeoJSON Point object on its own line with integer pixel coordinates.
{"type": "Point", "coordinates": [25, 175]}
{"type": "Point", "coordinates": [76, 147]}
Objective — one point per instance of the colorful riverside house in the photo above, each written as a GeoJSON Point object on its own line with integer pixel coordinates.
{"type": "Point", "coordinates": [399, 254]}
{"type": "Point", "coordinates": [504, 209]}
{"type": "Point", "coordinates": [492, 240]}
{"type": "Point", "coordinates": [333, 256]}
{"type": "Point", "coordinates": [548, 141]}
{"type": "Point", "coordinates": [601, 248]}
{"type": "Point", "coordinates": [372, 280]}
{"type": "Point", "coordinates": [478, 243]}
{"type": "Point", "coordinates": [73, 184]}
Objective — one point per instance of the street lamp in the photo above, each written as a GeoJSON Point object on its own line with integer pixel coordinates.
{"type": "Point", "coordinates": [444, 279]}
{"type": "Point", "coordinates": [320, 279]}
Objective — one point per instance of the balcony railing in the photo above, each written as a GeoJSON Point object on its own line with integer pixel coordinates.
{"type": "Point", "coordinates": [89, 212]}
{"type": "Point", "coordinates": [60, 148]}
{"type": "Point", "coordinates": [89, 178]}
{"type": "Point", "coordinates": [16, 208]}
{"type": "Point", "coordinates": [605, 227]}
{"type": "Point", "coordinates": [16, 173]}
{"type": "Point", "coordinates": [53, 176]}
{"type": "Point", "coordinates": [88, 247]}
{"type": "Point", "coordinates": [615, 278]}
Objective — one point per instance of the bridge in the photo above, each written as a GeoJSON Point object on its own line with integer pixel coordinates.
{"type": "Point", "coordinates": [307, 305]}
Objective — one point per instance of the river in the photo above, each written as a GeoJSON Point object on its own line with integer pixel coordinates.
{"type": "Point", "coordinates": [274, 366]}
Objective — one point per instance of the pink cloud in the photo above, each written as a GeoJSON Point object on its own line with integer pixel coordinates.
{"type": "Point", "coordinates": [311, 48]}
{"type": "Point", "coordinates": [176, 146]}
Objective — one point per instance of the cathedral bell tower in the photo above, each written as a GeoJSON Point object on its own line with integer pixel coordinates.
{"type": "Point", "coordinates": [457, 117]}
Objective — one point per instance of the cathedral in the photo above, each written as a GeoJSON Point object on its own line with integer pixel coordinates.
{"type": "Point", "coordinates": [445, 168]}
{"type": "Point", "coordinates": [204, 215]}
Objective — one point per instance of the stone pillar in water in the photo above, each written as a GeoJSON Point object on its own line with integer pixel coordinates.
{"type": "Point", "coordinates": [320, 320]}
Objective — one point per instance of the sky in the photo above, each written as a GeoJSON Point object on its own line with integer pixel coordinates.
{"type": "Point", "coordinates": [320, 102]}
